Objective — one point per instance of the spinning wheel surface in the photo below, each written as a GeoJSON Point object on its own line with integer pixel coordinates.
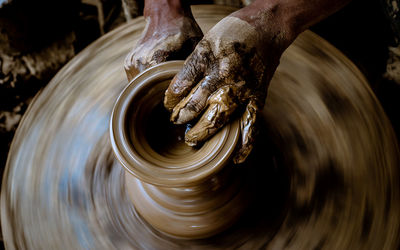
{"type": "Point", "coordinates": [64, 188]}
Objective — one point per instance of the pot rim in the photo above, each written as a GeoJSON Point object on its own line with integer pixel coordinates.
{"type": "Point", "coordinates": [216, 152]}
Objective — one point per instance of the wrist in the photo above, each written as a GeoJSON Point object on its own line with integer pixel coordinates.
{"type": "Point", "coordinates": [286, 19]}
{"type": "Point", "coordinates": [272, 21]}
{"type": "Point", "coordinates": [170, 9]}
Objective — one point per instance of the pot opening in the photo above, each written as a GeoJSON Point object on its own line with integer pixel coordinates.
{"type": "Point", "coordinates": [151, 129]}
{"type": "Point", "coordinates": [163, 136]}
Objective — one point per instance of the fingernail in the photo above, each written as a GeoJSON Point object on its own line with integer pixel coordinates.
{"type": "Point", "coordinates": [199, 133]}
{"type": "Point", "coordinates": [193, 137]}
{"type": "Point", "coordinates": [181, 116]}
{"type": "Point", "coordinates": [167, 101]}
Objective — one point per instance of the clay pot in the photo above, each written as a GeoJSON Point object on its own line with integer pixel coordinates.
{"type": "Point", "coordinates": [182, 191]}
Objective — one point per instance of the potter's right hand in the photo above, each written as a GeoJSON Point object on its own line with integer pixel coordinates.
{"type": "Point", "coordinates": [171, 33]}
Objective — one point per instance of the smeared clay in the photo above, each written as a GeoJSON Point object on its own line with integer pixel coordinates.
{"type": "Point", "coordinates": [248, 131]}
{"type": "Point", "coordinates": [229, 31]}
{"type": "Point", "coordinates": [174, 41]}
{"type": "Point", "coordinates": [221, 105]}
{"type": "Point", "coordinates": [229, 61]}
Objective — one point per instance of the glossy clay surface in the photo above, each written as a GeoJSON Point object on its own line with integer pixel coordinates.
{"type": "Point", "coordinates": [134, 126]}
{"type": "Point", "coordinates": [182, 191]}
{"type": "Point", "coordinates": [335, 187]}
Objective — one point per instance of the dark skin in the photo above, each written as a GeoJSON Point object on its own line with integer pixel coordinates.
{"type": "Point", "coordinates": [171, 33]}
{"type": "Point", "coordinates": [232, 65]}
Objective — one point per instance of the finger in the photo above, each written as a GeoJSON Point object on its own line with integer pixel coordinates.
{"type": "Point", "coordinates": [248, 131]}
{"type": "Point", "coordinates": [221, 105]}
{"type": "Point", "coordinates": [195, 102]}
{"type": "Point", "coordinates": [191, 73]}
{"type": "Point", "coordinates": [136, 63]}
{"type": "Point", "coordinates": [129, 66]}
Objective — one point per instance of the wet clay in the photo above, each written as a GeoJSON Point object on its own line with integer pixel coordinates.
{"type": "Point", "coordinates": [182, 191]}
{"type": "Point", "coordinates": [162, 43]}
{"type": "Point", "coordinates": [224, 72]}
{"type": "Point", "coordinates": [333, 183]}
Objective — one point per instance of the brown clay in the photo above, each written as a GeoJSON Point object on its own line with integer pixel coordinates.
{"type": "Point", "coordinates": [180, 190]}
{"type": "Point", "coordinates": [335, 185]}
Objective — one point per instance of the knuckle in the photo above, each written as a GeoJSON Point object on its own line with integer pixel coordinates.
{"type": "Point", "coordinates": [211, 83]}
{"type": "Point", "coordinates": [196, 104]}
{"type": "Point", "coordinates": [160, 56]}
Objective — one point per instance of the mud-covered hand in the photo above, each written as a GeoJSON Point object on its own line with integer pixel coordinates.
{"type": "Point", "coordinates": [233, 64]}
{"type": "Point", "coordinates": [229, 69]}
{"type": "Point", "coordinates": [171, 33]}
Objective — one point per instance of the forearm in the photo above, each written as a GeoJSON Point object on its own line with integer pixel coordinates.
{"type": "Point", "coordinates": [167, 17]}
{"type": "Point", "coordinates": [286, 19]}
{"type": "Point", "coordinates": [166, 8]}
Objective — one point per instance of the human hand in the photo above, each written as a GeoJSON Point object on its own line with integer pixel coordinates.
{"type": "Point", "coordinates": [230, 68]}
{"type": "Point", "coordinates": [171, 33]}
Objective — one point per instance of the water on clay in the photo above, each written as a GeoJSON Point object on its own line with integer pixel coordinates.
{"type": "Point", "coordinates": [326, 178]}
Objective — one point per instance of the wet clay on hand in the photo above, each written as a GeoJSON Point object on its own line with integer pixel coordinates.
{"type": "Point", "coordinates": [224, 72]}
{"type": "Point", "coordinates": [235, 62]}
{"type": "Point", "coordinates": [168, 35]}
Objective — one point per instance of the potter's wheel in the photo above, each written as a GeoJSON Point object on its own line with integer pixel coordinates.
{"type": "Point", "coordinates": [64, 188]}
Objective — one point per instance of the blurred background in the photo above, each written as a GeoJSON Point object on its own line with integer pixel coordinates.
{"type": "Point", "coordinates": [38, 37]}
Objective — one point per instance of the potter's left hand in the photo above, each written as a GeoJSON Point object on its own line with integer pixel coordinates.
{"type": "Point", "coordinates": [231, 67]}
{"type": "Point", "coordinates": [171, 33]}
